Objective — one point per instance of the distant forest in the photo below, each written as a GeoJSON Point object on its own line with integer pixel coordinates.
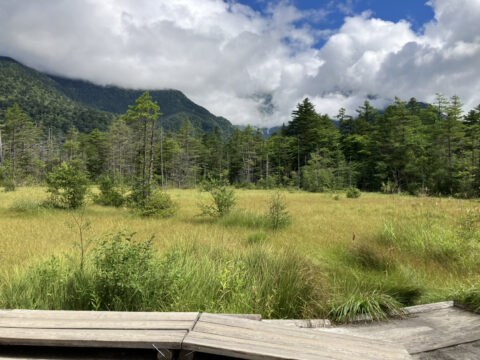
{"type": "Point", "coordinates": [408, 147]}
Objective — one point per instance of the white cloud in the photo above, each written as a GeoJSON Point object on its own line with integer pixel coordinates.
{"type": "Point", "coordinates": [246, 66]}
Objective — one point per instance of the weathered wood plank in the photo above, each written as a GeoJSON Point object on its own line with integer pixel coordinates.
{"type": "Point", "coordinates": [319, 343]}
{"type": "Point", "coordinates": [287, 331]}
{"type": "Point", "coordinates": [141, 339]}
{"type": "Point", "coordinates": [443, 339]}
{"type": "Point", "coordinates": [428, 307]}
{"type": "Point", "coordinates": [256, 317]}
{"type": "Point", "coordinates": [99, 315]}
{"type": "Point", "coordinates": [42, 323]}
{"type": "Point", "coordinates": [300, 323]}
{"type": "Point", "coordinates": [262, 350]}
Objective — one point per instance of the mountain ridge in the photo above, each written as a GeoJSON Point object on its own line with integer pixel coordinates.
{"type": "Point", "coordinates": [60, 102]}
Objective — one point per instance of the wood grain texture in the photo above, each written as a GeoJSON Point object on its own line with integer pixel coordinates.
{"type": "Point", "coordinates": [246, 339]}
{"type": "Point", "coordinates": [98, 315]}
{"type": "Point", "coordinates": [36, 323]}
{"type": "Point", "coordinates": [140, 339]}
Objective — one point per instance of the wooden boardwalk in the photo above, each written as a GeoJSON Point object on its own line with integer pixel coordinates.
{"type": "Point", "coordinates": [182, 335]}
{"type": "Point", "coordinates": [437, 331]}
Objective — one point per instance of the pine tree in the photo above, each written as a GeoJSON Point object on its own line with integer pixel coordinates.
{"type": "Point", "coordinates": [143, 118]}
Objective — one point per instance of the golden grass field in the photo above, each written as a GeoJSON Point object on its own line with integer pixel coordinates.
{"type": "Point", "coordinates": [320, 227]}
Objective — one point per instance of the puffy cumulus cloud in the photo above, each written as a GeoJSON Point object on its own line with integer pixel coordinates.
{"type": "Point", "coordinates": [377, 59]}
{"type": "Point", "coordinates": [248, 66]}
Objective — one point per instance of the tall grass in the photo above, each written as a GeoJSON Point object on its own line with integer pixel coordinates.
{"type": "Point", "coordinates": [337, 256]}
{"type": "Point", "coordinates": [121, 274]}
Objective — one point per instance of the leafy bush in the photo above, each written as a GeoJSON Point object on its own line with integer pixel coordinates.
{"type": "Point", "coordinates": [278, 216]}
{"type": "Point", "coordinates": [223, 198]}
{"type": "Point", "coordinates": [67, 186]}
{"type": "Point", "coordinates": [109, 195]}
{"type": "Point", "coordinates": [128, 276]}
{"type": "Point", "coordinates": [353, 193]}
{"type": "Point", "coordinates": [159, 204]}
{"type": "Point", "coordinates": [9, 185]}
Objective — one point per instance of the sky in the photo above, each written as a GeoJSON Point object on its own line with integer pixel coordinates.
{"type": "Point", "coordinates": [252, 61]}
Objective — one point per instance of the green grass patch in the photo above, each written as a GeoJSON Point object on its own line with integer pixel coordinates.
{"type": "Point", "coordinates": [257, 238]}
{"type": "Point", "coordinates": [27, 206]}
{"type": "Point", "coordinates": [244, 218]}
{"type": "Point", "coordinates": [124, 275]}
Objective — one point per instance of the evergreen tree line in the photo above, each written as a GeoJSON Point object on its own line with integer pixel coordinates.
{"type": "Point", "coordinates": [409, 147]}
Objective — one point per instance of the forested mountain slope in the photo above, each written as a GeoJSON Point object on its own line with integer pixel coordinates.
{"type": "Point", "coordinates": [40, 98]}
{"type": "Point", "coordinates": [174, 105]}
{"type": "Point", "coordinates": [59, 103]}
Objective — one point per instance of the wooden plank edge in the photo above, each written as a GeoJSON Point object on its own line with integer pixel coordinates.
{"type": "Point", "coordinates": [448, 343]}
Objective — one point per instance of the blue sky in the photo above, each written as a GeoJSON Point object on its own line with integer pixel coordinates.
{"type": "Point", "coordinates": [252, 61]}
{"type": "Point", "coordinates": [417, 12]}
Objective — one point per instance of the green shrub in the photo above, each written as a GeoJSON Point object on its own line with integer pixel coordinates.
{"type": "Point", "coordinates": [278, 216]}
{"type": "Point", "coordinates": [128, 277]}
{"type": "Point", "coordinates": [67, 186]}
{"type": "Point", "coordinates": [159, 204]}
{"type": "Point", "coordinates": [353, 193]}
{"type": "Point", "coordinates": [9, 185]}
{"type": "Point", "coordinates": [223, 198]}
{"type": "Point", "coordinates": [109, 195]}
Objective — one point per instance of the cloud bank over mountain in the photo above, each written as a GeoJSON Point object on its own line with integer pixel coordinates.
{"type": "Point", "coordinates": [249, 66]}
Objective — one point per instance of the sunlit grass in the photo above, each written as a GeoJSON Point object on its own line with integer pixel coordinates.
{"type": "Point", "coordinates": [413, 249]}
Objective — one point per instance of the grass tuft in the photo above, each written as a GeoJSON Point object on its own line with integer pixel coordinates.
{"type": "Point", "coordinates": [243, 218]}
{"type": "Point", "coordinates": [365, 306]}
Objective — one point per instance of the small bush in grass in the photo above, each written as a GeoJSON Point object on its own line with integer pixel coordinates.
{"type": "Point", "coordinates": [223, 198]}
{"type": "Point", "coordinates": [278, 215]}
{"type": "Point", "coordinates": [159, 204]}
{"type": "Point", "coordinates": [353, 193]}
{"type": "Point", "coordinates": [67, 186]}
{"type": "Point", "coordinates": [110, 195]}
{"type": "Point", "coordinates": [9, 185]}
{"type": "Point", "coordinates": [127, 276]}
